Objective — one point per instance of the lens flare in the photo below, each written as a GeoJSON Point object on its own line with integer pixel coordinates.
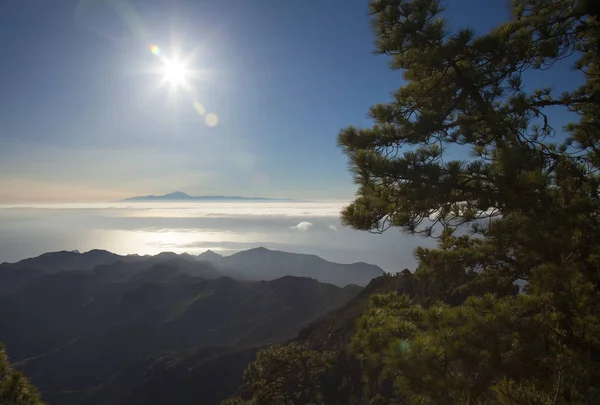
{"type": "Point", "coordinates": [199, 108]}
{"type": "Point", "coordinates": [155, 50]}
{"type": "Point", "coordinates": [211, 120]}
{"type": "Point", "coordinates": [403, 346]}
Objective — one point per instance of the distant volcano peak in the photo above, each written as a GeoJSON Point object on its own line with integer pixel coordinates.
{"type": "Point", "coordinates": [177, 194]}
{"type": "Point", "coordinates": [181, 196]}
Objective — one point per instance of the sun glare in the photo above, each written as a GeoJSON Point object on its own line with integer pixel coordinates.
{"type": "Point", "coordinates": [175, 73]}
{"type": "Point", "coordinates": [178, 75]}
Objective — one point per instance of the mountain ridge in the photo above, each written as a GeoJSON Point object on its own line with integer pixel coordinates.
{"type": "Point", "coordinates": [266, 264]}
{"type": "Point", "coordinates": [252, 264]}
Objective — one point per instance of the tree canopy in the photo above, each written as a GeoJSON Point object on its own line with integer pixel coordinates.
{"type": "Point", "coordinates": [290, 374]}
{"type": "Point", "coordinates": [529, 195]}
{"type": "Point", "coordinates": [469, 90]}
{"type": "Point", "coordinates": [14, 387]}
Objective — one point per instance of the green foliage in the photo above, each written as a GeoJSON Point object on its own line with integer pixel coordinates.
{"type": "Point", "coordinates": [14, 387]}
{"type": "Point", "coordinates": [488, 350]}
{"type": "Point", "coordinates": [468, 90]}
{"type": "Point", "coordinates": [290, 374]}
{"type": "Point", "coordinates": [524, 207]}
{"type": "Point", "coordinates": [532, 206]}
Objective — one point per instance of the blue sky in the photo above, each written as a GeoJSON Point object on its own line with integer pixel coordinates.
{"type": "Point", "coordinates": [83, 116]}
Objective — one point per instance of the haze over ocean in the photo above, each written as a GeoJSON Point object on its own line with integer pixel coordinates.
{"type": "Point", "coordinates": [151, 228]}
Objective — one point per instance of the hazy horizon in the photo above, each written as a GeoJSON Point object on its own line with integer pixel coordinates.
{"type": "Point", "coordinates": [193, 227]}
{"type": "Point", "coordinates": [124, 196]}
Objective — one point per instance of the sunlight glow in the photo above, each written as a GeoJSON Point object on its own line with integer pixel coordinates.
{"type": "Point", "coordinates": [175, 72]}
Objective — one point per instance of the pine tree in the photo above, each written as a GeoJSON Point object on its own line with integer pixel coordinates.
{"type": "Point", "coordinates": [524, 207]}
{"type": "Point", "coordinates": [289, 374]}
{"type": "Point", "coordinates": [14, 387]}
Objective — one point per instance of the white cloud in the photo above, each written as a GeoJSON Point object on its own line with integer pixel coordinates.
{"type": "Point", "coordinates": [190, 210]}
{"type": "Point", "coordinates": [333, 227]}
{"type": "Point", "coordinates": [303, 226]}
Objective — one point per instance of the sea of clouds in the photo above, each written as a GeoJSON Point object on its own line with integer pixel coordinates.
{"type": "Point", "coordinates": [149, 228]}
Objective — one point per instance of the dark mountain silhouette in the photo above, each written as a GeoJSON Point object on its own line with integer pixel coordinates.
{"type": "Point", "coordinates": [13, 275]}
{"type": "Point", "coordinates": [254, 264]}
{"type": "Point", "coordinates": [176, 379]}
{"type": "Point", "coordinates": [210, 256]}
{"type": "Point", "coordinates": [68, 260]}
{"type": "Point", "coordinates": [85, 327]}
{"type": "Point", "coordinates": [265, 264]}
{"type": "Point", "coordinates": [203, 377]}
{"type": "Point", "coordinates": [181, 196]}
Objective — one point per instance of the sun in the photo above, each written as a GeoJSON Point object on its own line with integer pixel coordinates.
{"type": "Point", "coordinates": [175, 73]}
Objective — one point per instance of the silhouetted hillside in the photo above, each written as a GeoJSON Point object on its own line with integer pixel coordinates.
{"type": "Point", "coordinates": [85, 335]}
{"type": "Point", "coordinates": [185, 376]}
{"type": "Point", "coordinates": [254, 264]}
{"type": "Point", "coordinates": [335, 329]}
{"type": "Point", "coordinates": [264, 264]}
{"type": "Point", "coordinates": [210, 256]}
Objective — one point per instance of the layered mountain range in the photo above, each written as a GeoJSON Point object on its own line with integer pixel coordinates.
{"type": "Point", "coordinates": [94, 327]}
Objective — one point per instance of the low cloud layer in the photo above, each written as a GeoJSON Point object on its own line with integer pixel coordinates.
{"type": "Point", "coordinates": [303, 227]}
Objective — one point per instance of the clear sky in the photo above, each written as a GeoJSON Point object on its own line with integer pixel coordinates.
{"type": "Point", "coordinates": [84, 115]}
